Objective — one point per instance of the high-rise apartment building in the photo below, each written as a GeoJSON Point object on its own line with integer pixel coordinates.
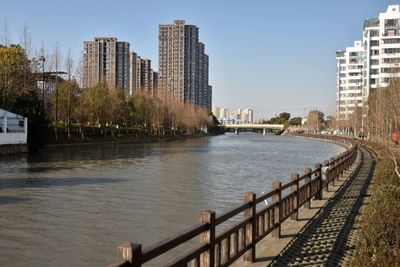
{"type": "Point", "coordinates": [224, 113]}
{"type": "Point", "coordinates": [244, 115]}
{"type": "Point", "coordinates": [380, 59]}
{"type": "Point", "coordinates": [349, 80]}
{"type": "Point", "coordinates": [183, 65]}
{"type": "Point", "coordinates": [202, 91]}
{"type": "Point", "coordinates": [132, 73]}
{"type": "Point", "coordinates": [106, 59]}
{"type": "Point", "coordinates": [154, 84]}
{"type": "Point", "coordinates": [382, 48]}
{"type": "Point", "coordinates": [144, 77]}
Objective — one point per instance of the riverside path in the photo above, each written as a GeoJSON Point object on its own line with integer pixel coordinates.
{"type": "Point", "coordinates": [325, 235]}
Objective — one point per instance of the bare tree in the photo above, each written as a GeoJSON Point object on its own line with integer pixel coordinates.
{"type": "Point", "coordinates": [26, 40]}
{"type": "Point", "coordinates": [81, 101]}
{"type": "Point", "coordinates": [56, 59]}
{"type": "Point", "coordinates": [69, 65]}
{"type": "Point", "coordinates": [5, 34]}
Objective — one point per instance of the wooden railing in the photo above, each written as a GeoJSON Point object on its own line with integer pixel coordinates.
{"type": "Point", "coordinates": [259, 220]}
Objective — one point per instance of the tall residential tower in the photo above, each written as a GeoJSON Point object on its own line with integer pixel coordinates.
{"type": "Point", "coordinates": [366, 66]}
{"type": "Point", "coordinates": [349, 80]}
{"type": "Point", "coordinates": [183, 65]}
{"type": "Point", "coordinates": [106, 59]}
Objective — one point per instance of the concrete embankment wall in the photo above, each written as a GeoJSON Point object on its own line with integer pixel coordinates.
{"type": "Point", "coordinates": [13, 149]}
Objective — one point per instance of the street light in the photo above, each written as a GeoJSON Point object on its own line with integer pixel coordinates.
{"type": "Point", "coordinates": [43, 59]}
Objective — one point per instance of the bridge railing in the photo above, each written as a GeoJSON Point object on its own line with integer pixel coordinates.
{"type": "Point", "coordinates": [259, 219]}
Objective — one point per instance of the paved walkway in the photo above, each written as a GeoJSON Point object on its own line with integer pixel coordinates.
{"type": "Point", "coordinates": [329, 239]}
{"type": "Point", "coordinates": [324, 235]}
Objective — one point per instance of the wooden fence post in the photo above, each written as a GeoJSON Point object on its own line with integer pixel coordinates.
{"type": "Point", "coordinates": [341, 164]}
{"type": "Point", "coordinates": [251, 229]}
{"type": "Point", "coordinates": [276, 198]}
{"type": "Point", "coordinates": [347, 160]}
{"type": "Point", "coordinates": [337, 159]}
{"type": "Point", "coordinates": [207, 259]}
{"type": "Point", "coordinates": [318, 176]}
{"type": "Point", "coordinates": [328, 174]}
{"type": "Point", "coordinates": [131, 253]}
{"type": "Point", "coordinates": [343, 168]}
{"type": "Point", "coordinates": [295, 202]}
{"type": "Point", "coordinates": [334, 169]}
{"type": "Point", "coordinates": [307, 171]}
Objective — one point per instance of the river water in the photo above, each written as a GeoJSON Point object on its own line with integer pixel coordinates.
{"type": "Point", "coordinates": [72, 206]}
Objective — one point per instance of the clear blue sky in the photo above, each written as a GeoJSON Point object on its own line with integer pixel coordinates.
{"type": "Point", "coordinates": [271, 56]}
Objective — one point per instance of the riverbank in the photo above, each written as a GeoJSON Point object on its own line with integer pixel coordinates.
{"type": "Point", "coordinates": [94, 140]}
{"type": "Point", "coordinates": [6, 150]}
{"type": "Point", "coordinates": [324, 138]}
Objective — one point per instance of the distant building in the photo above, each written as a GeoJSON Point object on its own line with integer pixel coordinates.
{"type": "Point", "coordinates": [243, 115]}
{"type": "Point", "coordinates": [132, 73]}
{"type": "Point", "coordinates": [369, 64]}
{"type": "Point", "coordinates": [220, 113]}
{"type": "Point", "coordinates": [106, 59]}
{"type": "Point", "coordinates": [382, 49]}
{"type": "Point", "coordinates": [349, 80]}
{"type": "Point", "coordinates": [144, 77]}
{"type": "Point", "coordinates": [224, 113]}
{"type": "Point", "coordinates": [247, 115]}
{"type": "Point", "coordinates": [183, 65]}
{"type": "Point", "coordinates": [154, 84]}
{"type": "Point", "coordinates": [13, 129]}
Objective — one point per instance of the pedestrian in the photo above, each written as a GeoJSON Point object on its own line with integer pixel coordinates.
{"type": "Point", "coordinates": [361, 135]}
{"type": "Point", "coordinates": [395, 138]}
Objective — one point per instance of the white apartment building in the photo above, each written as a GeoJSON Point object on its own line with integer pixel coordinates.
{"type": "Point", "coordinates": [224, 113]}
{"type": "Point", "coordinates": [382, 48]}
{"type": "Point", "coordinates": [245, 115]}
{"type": "Point", "coordinates": [380, 61]}
{"type": "Point", "coordinates": [13, 128]}
{"type": "Point", "coordinates": [220, 113]}
{"type": "Point", "coordinates": [349, 80]}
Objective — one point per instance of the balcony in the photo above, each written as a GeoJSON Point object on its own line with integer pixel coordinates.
{"type": "Point", "coordinates": [369, 23]}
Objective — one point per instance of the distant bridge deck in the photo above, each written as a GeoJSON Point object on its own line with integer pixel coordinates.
{"type": "Point", "coordinates": [254, 126]}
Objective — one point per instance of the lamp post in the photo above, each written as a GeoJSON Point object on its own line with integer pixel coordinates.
{"type": "Point", "coordinates": [43, 59]}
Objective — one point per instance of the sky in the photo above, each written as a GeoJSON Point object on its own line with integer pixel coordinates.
{"type": "Point", "coordinates": [271, 56]}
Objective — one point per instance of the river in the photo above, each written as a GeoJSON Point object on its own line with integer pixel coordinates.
{"type": "Point", "coordinates": [72, 206]}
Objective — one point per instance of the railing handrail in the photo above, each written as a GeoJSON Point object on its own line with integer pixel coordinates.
{"type": "Point", "coordinates": [159, 248]}
{"type": "Point", "coordinates": [249, 228]}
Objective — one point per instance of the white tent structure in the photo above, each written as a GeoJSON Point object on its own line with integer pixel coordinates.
{"type": "Point", "coordinates": [13, 128]}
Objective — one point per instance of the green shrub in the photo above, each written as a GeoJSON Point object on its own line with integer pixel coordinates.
{"type": "Point", "coordinates": [380, 227]}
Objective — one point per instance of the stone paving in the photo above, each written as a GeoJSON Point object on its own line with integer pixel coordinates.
{"type": "Point", "coordinates": [329, 239]}
{"type": "Point", "coordinates": [325, 234]}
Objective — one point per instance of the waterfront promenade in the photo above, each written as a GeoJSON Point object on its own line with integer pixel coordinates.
{"type": "Point", "coordinates": [325, 234]}
{"type": "Point", "coordinates": [264, 231]}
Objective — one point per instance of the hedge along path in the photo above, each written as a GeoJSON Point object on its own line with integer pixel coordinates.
{"type": "Point", "coordinates": [330, 237]}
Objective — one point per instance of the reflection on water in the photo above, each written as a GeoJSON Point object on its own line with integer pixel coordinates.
{"type": "Point", "coordinates": [78, 203]}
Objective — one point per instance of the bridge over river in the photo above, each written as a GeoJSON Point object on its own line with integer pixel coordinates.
{"type": "Point", "coordinates": [264, 127]}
